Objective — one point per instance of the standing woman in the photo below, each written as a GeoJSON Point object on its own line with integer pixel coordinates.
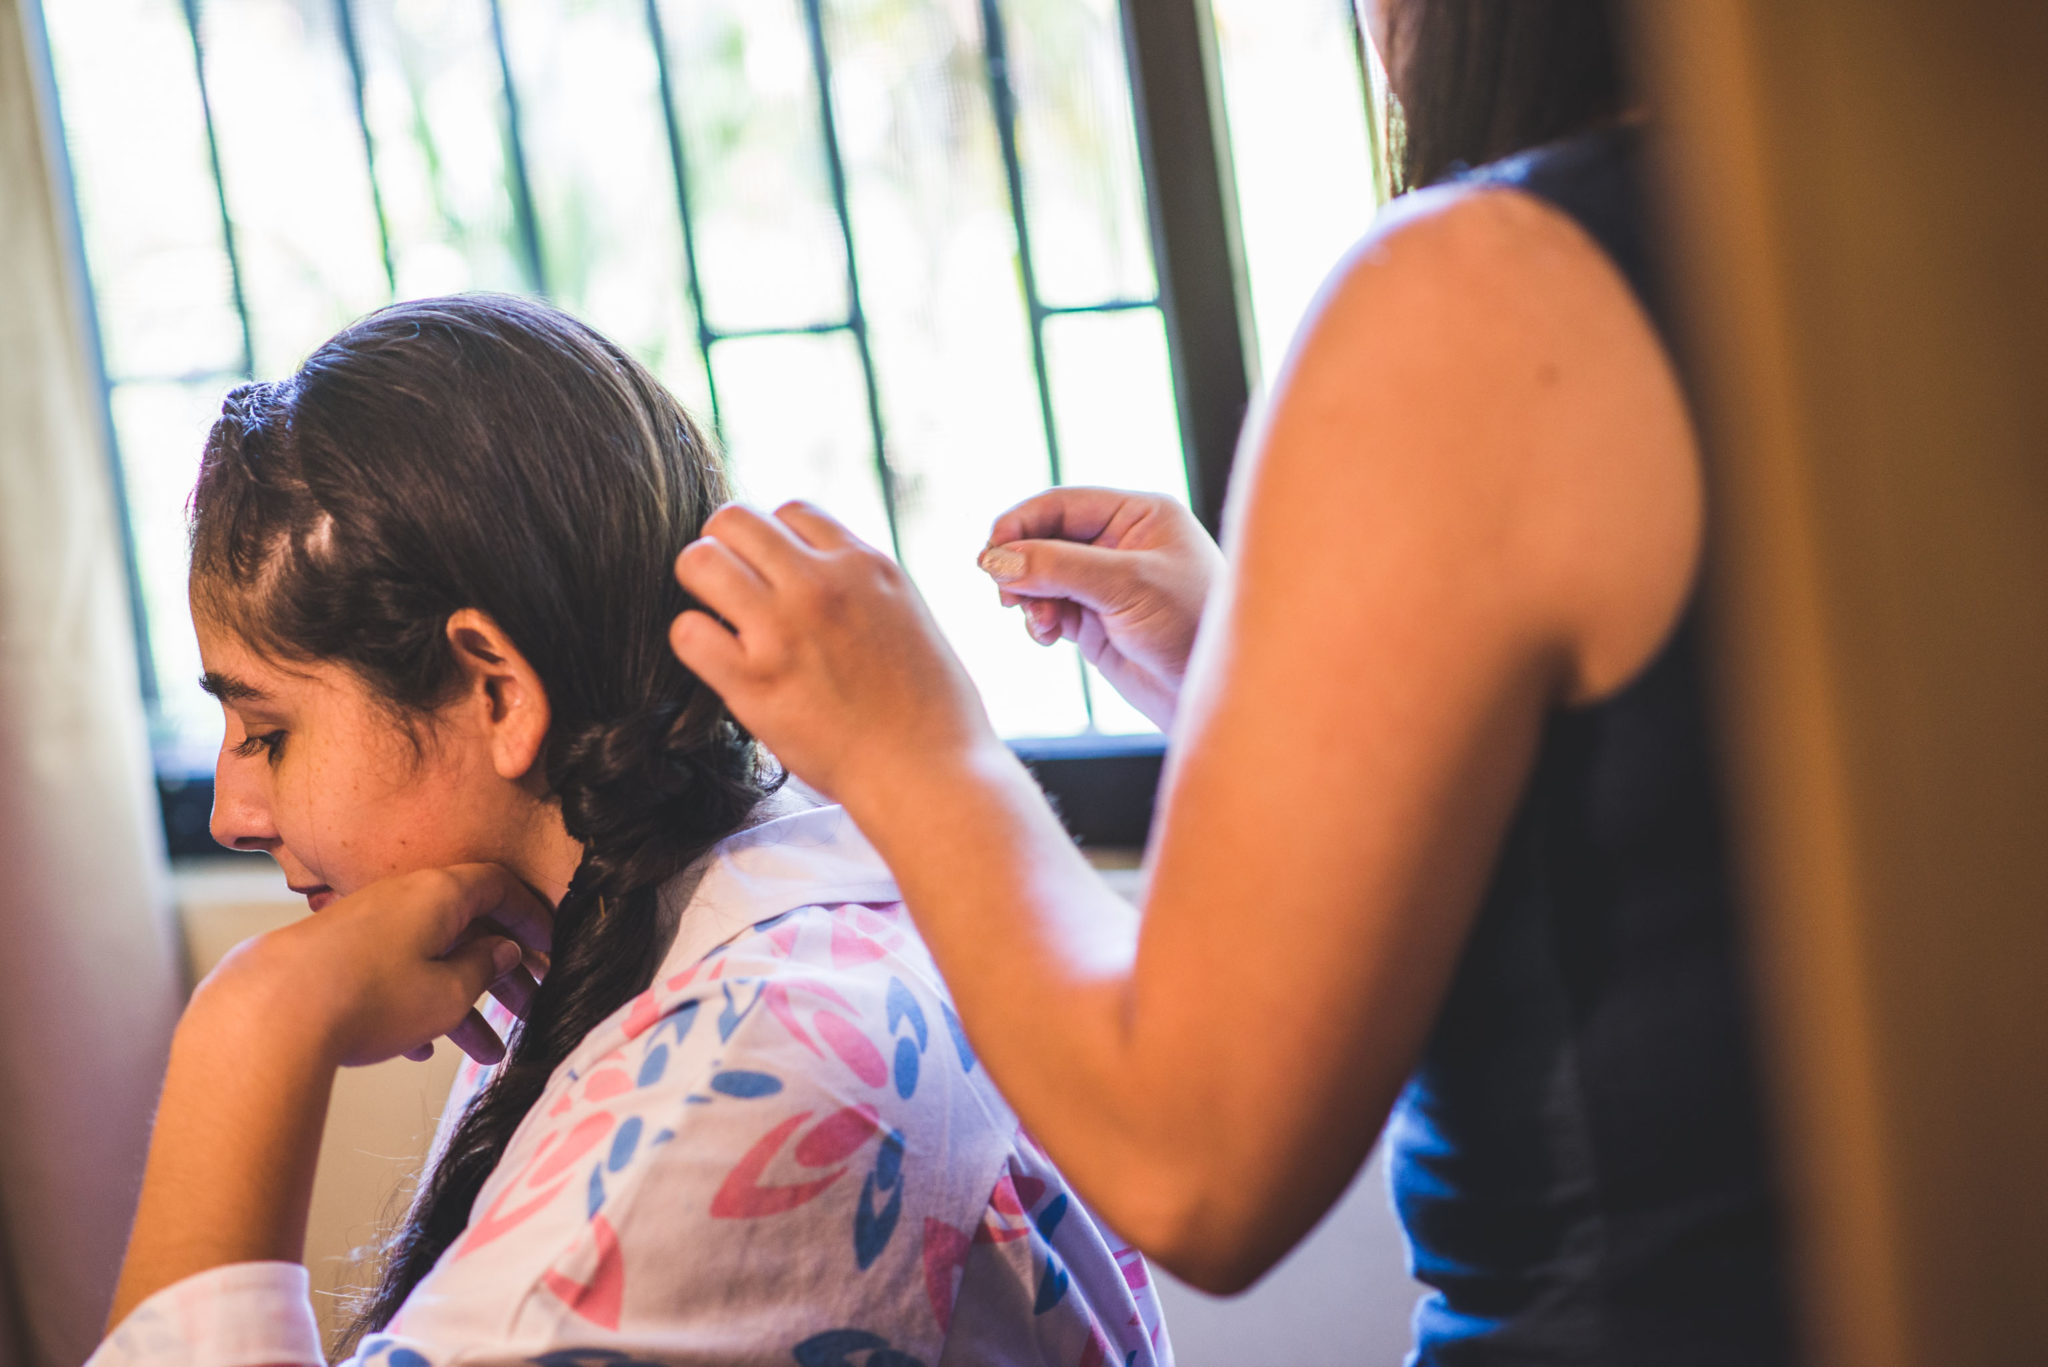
{"type": "Point", "coordinates": [1437, 852]}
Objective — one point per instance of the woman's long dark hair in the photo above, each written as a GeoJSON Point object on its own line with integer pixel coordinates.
{"type": "Point", "coordinates": [1482, 79]}
{"type": "Point", "coordinates": [492, 453]}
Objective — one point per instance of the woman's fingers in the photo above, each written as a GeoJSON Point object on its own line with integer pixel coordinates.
{"type": "Point", "coordinates": [708, 649]}
{"type": "Point", "coordinates": [1089, 575]}
{"type": "Point", "coordinates": [716, 576]}
{"type": "Point", "coordinates": [767, 545]}
{"type": "Point", "coordinates": [817, 527]}
{"type": "Point", "coordinates": [1068, 513]}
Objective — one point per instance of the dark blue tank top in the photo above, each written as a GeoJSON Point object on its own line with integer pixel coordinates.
{"type": "Point", "coordinates": [1579, 1159]}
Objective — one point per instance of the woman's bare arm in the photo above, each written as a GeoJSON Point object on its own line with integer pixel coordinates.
{"type": "Point", "coordinates": [1473, 497]}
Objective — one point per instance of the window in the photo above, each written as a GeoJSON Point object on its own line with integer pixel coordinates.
{"type": "Point", "coordinates": [913, 259]}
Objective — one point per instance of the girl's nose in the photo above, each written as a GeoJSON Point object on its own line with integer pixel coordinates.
{"type": "Point", "coordinates": [241, 815]}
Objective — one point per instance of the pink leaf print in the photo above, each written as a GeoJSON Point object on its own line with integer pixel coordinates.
{"type": "Point", "coordinates": [945, 1262]}
{"type": "Point", "coordinates": [606, 1085]}
{"type": "Point", "coordinates": [599, 1299]}
{"type": "Point", "coordinates": [777, 997]}
{"type": "Point", "coordinates": [855, 1050]}
{"type": "Point", "coordinates": [743, 1196]}
{"type": "Point", "coordinates": [850, 947]}
{"type": "Point", "coordinates": [581, 1140]}
{"type": "Point", "coordinates": [837, 1136]}
{"type": "Point", "coordinates": [646, 1011]}
{"type": "Point", "coordinates": [548, 1164]}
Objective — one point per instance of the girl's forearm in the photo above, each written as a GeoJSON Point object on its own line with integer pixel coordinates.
{"type": "Point", "coordinates": [230, 1171]}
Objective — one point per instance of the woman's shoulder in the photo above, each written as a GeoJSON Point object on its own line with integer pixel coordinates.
{"type": "Point", "coordinates": [1466, 249]}
{"type": "Point", "coordinates": [1480, 369]}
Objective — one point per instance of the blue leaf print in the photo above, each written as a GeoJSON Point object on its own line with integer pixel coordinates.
{"type": "Point", "coordinates": [745, 1084]}
{"type": "Point", "coordinates": [872, 1228]}
{"type": "Point", "coordinates": [838, 1347]}
{"type": "Point", "coordinates": [729, 1019]}
{"type": "Point", "coordinates": [889, 1160]}
{"type": "Point", "coordinates": [906, 1068]}
{"type": "Point", "coordinates": [653, 1066]}
{"type": "Point", "coordinates": [902, 1007]}
{"type": "Point", "coordinates": [1052, 1287]}
{"type": "Point", "coordinates": [1049, 1218]}
{"type": "Point", "coordinates": [680, 1019]}
{"type": "Point", "coordinates": [406, 1357]}
{"type": "Point", "coordinates": [624, 1143]}
{"type": "Point", "coordinates": [594, 1199]}
{"type": "Point", "coordinates": [960, 1044]}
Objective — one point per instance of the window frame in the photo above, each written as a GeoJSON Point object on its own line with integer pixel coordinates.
{"type": "Point", "coordinates": [1104, 786]}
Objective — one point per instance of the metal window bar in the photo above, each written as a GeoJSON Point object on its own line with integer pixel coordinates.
{"type": "Point", "coordinates": [679, 168]}
{"type": "Point", "coordinates": [247, 369]}
{"type": "Point", "coordinates": [527, 220]}
{"type": "Point", "coordinates": [856, 317]}
{"type": "Point", "coordinates": [345, 27]}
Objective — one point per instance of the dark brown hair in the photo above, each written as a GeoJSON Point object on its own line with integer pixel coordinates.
{"type": "Point", "coordinates": [1482, 79]}
{"type": "Point", "coordinates": [489, 452]}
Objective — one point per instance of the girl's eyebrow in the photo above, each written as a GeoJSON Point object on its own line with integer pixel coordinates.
{"type": "Point", "coordinates": [228, 688]}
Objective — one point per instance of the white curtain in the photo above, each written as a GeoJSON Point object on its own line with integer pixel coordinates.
{"type": "Point", "coordinates": [89, 982]}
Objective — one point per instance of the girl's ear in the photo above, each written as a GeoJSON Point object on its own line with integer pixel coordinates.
{"type": "Point", "coordinates": [506, 694]}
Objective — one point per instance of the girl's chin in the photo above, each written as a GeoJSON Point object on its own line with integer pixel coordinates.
{"type": "Point", "coordinates": [321, 900]}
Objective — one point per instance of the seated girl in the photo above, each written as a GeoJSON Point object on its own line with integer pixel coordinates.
{"type": "Point", "coordinates": [740, 1122]}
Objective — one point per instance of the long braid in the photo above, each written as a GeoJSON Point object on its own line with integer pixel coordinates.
{"type": "Point", "coordinates": [621, 786]}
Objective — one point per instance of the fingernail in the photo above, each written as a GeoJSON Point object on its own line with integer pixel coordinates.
{"type": "Point", "coordinates": [506, 957]}
{"type": "Point", "coordinates": [1002, 564]}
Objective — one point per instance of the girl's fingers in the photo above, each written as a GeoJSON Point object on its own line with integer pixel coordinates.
{"type": "Point", "coordinates": [515, 990]}
{"type": "Point", "coordinates": [421, 1053]}
{"type": "Point", "coordinates": [489, 892]}
{"type": "Point", "coordinates": [474, 1036]}
{"type": "Point", "coordinates": [716, 576]}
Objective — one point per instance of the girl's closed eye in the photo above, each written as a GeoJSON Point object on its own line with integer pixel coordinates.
{"type": "Point", "coordinates": [270, 743]}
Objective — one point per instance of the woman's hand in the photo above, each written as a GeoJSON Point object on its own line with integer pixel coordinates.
{"type": "Point", "coordinates": [825, 651]}
{"type": "Point", "coordinates": [1122, 575]}
{"type": "Point", "coordinates": [385, 970]}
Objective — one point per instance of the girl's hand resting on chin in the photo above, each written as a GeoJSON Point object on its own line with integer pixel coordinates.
{"type": "Point", "coordinates": [385, 970]}
{"type": "Point", "coordinates": [1123, 575]}
{"type": "Point", "coordinates": [824, 650]}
